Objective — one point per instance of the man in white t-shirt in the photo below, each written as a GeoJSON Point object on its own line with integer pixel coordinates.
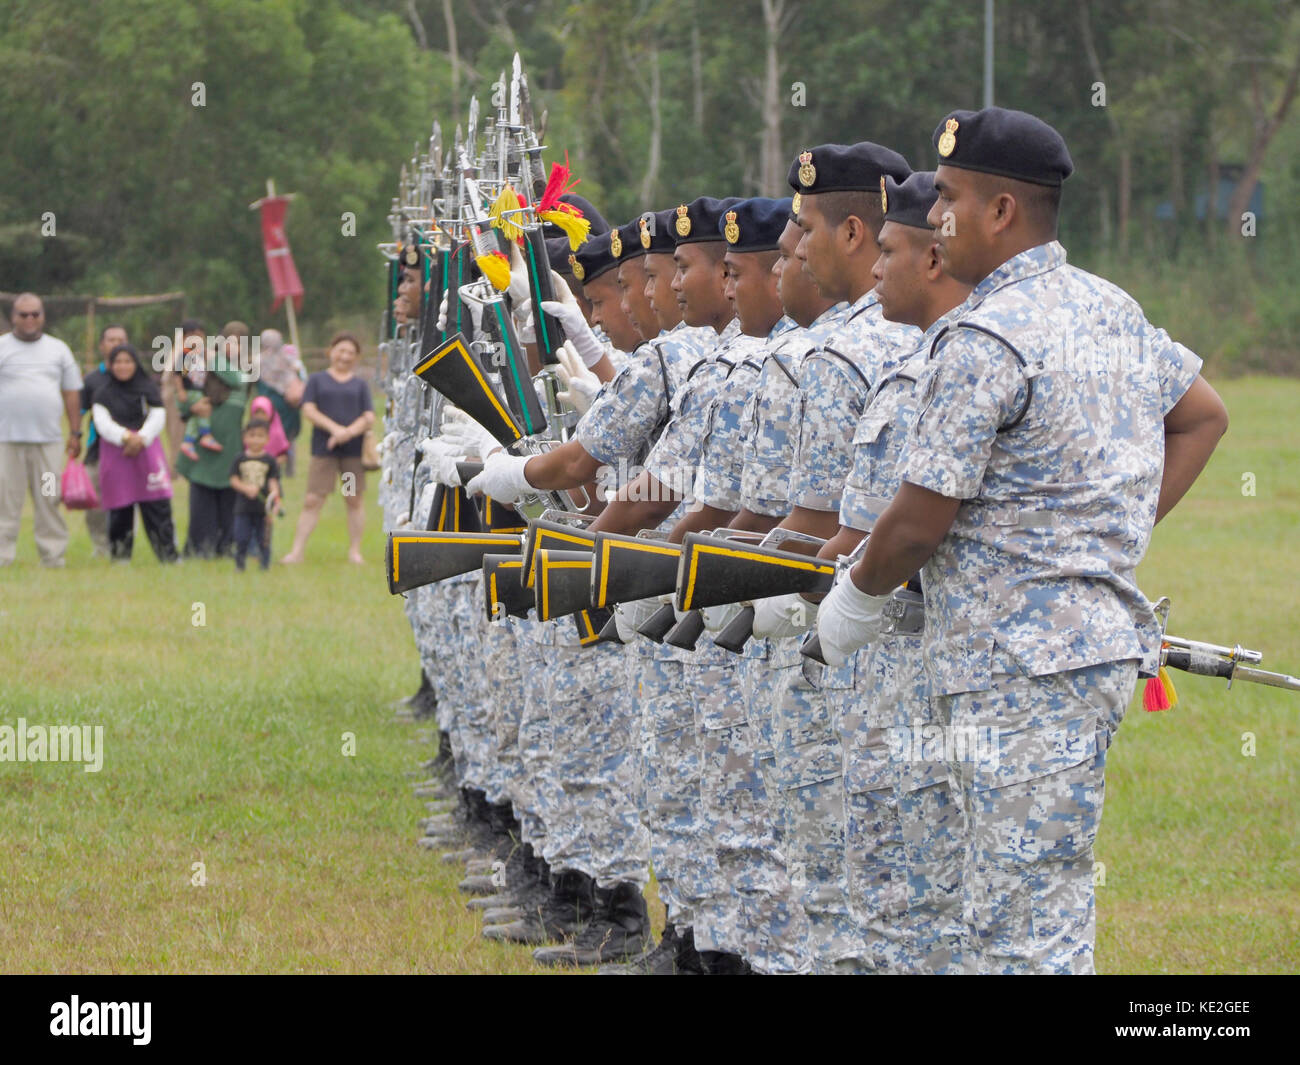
{"type": "Point", "coordinates": [39, 384]}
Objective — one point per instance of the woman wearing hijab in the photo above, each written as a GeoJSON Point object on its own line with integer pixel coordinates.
{"type": "Point", "coordinates": [129, 416]}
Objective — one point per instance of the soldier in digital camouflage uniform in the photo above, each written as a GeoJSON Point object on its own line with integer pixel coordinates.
{"type": "Point", "coordinates": [1055, 426]}
{"type": "Point", "coordinates": [903, 827]}
{"type": "Point", "coordinates": [840, 216]}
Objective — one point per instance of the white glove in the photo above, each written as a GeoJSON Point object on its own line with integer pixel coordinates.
{"type": "Point", "coordinates": [585, 342]}
{"type": "Point", "coordinates": [849, 618]}
{"type": "Point", "coordinates": [442, 456]}
{"type": "Point", "coordinates": [783, 615]}
{"type": "Point", "coordinates": [631, 616]}
{"type": "Point", "coordinates": [465, 435]}
{"type": "Point", "coordinates": [502, 478]}
{"type": "Point", "coordinates": [717, 618]}
{"type": "Point", "coordinates": [475, 314]}
{"type": "Point", "coordinates": [425, 502]}
{"type": "Point", "coordinates": [580, 384]}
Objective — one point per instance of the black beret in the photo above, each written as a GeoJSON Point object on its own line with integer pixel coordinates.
{"type": "Point", "coordinates": [1011, 144]}
{"type": "Point", "coordinates": [557, 252]}
{"type": "Point", "coordinates": [698, 221]}
{"type": "Point", "coordinates": [628, 245]}
{"type": "Point", "coordinates": [593, 258]}
{"type": "Point", "coordinates": [589, 212]}
{"type": "Point", "coordinates": [655, 231]}
{"type": "Point", "coordinates": [908, 203]}
{"type": "Point", "coordinates": [844, 168]}
{"type": "Point", "coordinates": [755, 224]}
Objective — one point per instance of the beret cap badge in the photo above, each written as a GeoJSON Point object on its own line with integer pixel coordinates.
{"type": "Point", "coordinates": [645, 233]}
{"type": "Point", "coordinates": [948, 138]}
{"type": "Point", "coordinates": [807, 172]}
{"type": "Point", "coordinates": [732, 231]}
{"type": "Point", "coordinates": [578, 270]}
{"type": "Point", "coordinates": [796, 203]}
{"type": "Point", "coordinates": [884, 196]}
{"type": "Point", "coordinates": [615, 243]}
{"type": "Point", "coordinates": [683, 222]}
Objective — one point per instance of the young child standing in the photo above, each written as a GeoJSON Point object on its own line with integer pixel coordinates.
{"type": "Point", "coordinates": [255, 477]}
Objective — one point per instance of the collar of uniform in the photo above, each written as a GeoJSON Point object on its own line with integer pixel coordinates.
{"type": "Point", "coordinates": [839, 310]}
{"type": "Point", "coordinates": [939, 324]}
{"type": "Point", "coordinates": [726, 338]}
{"type": "Point", "coordinates": [1037, 260]}
{"type": "Point", "coordinates": [864, 302]}
{"type": "Point", "coordinates": [783, 325]}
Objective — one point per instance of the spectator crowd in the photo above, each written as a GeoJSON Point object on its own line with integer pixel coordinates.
{"type": "Point", "coordinates": [222, 413]}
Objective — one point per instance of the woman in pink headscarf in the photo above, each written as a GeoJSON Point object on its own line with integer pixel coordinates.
{"type": "Point", "coordinates": [277, 442]}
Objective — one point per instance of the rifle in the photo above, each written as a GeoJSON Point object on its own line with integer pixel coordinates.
{"type": "Point", "coordinates": [413, 560]}
{"type": "Point", "coordinates": [502, 588]}
{"type": "Point", "coordinates": [1205, 660]}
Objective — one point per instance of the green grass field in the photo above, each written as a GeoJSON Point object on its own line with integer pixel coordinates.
{"type": "Point", "coordinates": [224, 745]}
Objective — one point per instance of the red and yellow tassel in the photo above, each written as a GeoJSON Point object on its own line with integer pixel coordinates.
{"type": "Point", "coordinates": [564, 215]}
{"type": "Point", "coordinates": [496, 268]}
{"type": "Point", "coordinates": [1159, 692]}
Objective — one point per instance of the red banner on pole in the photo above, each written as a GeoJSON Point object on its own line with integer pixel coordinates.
{"type": "Point", "coordinates": [279, 260]}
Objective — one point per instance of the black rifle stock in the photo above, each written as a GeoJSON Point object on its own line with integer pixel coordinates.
{"type": "Point", "coordinates": [503, 592]}
{"type": "Point", "coordinates": [631, 567]}
{"type": "Point", "coordinates": [714, 572]}
{"type": "Point", "coordinates": [415, 559]}
{"type": "Point", "coordinates": [555, 535]}
{"type": "Point", "coordinates": [562, 582]}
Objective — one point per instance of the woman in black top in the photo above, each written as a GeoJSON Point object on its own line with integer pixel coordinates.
{"type": "Point", "coordinates": [337, 403]}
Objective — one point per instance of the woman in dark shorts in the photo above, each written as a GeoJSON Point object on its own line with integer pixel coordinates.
{"type": "Point", "coordinates": [337, 403]}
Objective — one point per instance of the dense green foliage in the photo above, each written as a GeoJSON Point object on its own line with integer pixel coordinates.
{"type": "Point", "coordinates": [654, 102]}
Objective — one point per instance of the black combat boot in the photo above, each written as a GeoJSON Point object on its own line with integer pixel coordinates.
{"type": "Point", "coordinates": [720, 963]}
{"type": "Point", "coordinates": [674, 956]}
{"type": "Point", "coordinates": [617, 933]}
{"type": "Point", "coordinates": [570, 906]}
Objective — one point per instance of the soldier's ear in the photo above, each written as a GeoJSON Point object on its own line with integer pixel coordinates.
{"type": "Point", "coordinates": [1003, 211]}
{"type": "Point", "coordinates": [933, 265]}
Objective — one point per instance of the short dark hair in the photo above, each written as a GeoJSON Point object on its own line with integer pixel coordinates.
{"type": "Point", "coordinates": [191, 325]}
{"type": "Point", "coordinates": [339, 338]}
{"type": "Point", "coordinates": [112, 325]}
{"type": "Point", "coordinates": [839, 205]}
{"type": "Point", "coordinates": [258, 423]}
{"type": "Point", "coordinates": [1040, 203]}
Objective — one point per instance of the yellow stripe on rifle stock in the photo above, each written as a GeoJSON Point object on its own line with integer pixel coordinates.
{"type": "Point", "coordinates": [606, 546]}
{"type": "Point", "coordinates": [531, 576]}
{"type": "Point", "coordinates": [492, 583]}
{"type": "Point", "coordinates": [584, 619]}
{"type": "Point", "coordinates": [547, 566]}
{"type": "Point", "coordinates": [698, 549]}
{"type": "Point", "coordinates": [470, 539]}
{"type": "Point", "coordinates": [459, 348]}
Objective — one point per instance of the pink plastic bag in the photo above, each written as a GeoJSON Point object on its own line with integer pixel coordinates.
{"type": "Point", "coordinates": [78, 491]}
